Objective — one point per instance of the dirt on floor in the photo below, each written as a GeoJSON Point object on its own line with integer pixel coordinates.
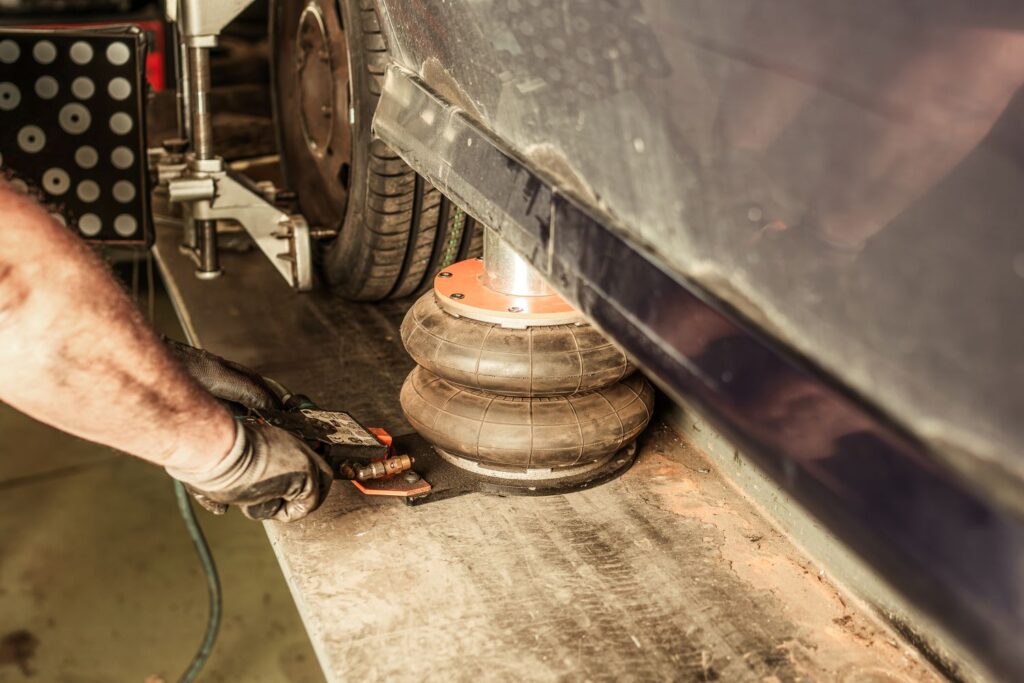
{"type": "Point", "coordinates": [685, 482]}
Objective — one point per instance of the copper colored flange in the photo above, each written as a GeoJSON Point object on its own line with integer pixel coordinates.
{"type": "Point", "coordinates": [460, 290]}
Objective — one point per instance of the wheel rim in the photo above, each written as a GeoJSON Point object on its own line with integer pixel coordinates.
{"type": "Point", "coordinates": [314, 74]}
{"type": "Point", "coordinates": [314, 102]}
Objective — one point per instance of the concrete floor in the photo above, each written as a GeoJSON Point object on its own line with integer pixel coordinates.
{"type": "Point", "coordinates": [99, 580]}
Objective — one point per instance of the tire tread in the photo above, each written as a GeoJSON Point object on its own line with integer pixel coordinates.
{"type": "Point", "coordinates": [390, 250]}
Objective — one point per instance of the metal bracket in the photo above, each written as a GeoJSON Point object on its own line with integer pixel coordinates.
{"type": "Point", "coordinates": [222, 196]}
{"type": "Point", "coordinates": [202, 19]}
{"type": "Point", "coordinates": [201, 183]}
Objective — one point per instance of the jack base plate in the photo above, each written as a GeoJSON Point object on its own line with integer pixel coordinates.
{"type": "Point", "coordinates": [448, 480]}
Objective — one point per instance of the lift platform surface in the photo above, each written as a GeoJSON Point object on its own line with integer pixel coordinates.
{"type": "Point", "coordinates": [667, 573]}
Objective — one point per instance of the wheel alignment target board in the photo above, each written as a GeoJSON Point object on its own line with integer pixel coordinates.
{"type": "Point", "coordinates": [72, 127]}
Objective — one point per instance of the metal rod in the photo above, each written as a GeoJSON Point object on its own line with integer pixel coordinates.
{"type": "Point", "coordinates": [181, 92]}
{"type": "Point", "coordinates": [190, 235]}
{"type": "Point", "coordinates": [199, 86]}
{"type": "Point", "coordinates": [209, 260]}
{"type": "Point", "coordinates": [202, 149]}
{"type": "Point", "coordinates": [508, 272]}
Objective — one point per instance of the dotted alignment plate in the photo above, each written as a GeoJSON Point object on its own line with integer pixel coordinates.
{"type": "Point", "coordinates": [72, 127]}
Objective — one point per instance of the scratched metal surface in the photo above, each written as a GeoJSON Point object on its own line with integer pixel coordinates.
{"type": "Point", "coordinates": [664, 574]}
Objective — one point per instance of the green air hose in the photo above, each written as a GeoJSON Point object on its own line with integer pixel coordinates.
{"type": "Point", "coordinates": [212, 583]}
{"type": "Point", "coordinates": [195, 532]}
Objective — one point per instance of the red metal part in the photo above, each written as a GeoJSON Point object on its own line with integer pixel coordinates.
{"type": "Point", "coordinates": [393, 486]}
{"type": "Point", "coordinates": [460, 290]}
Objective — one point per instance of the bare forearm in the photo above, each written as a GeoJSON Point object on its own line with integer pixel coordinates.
{"type": "Point", "coordinates": [76, 354]}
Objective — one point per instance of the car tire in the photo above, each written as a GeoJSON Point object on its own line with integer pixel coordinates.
{"type": "Point", "coordinates": [394, 230]}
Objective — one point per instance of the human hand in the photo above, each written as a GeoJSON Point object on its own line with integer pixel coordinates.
{"type": "Point", "coordinates": [225, 379]}
{"type": "Point", "coordinates": [268, 474]}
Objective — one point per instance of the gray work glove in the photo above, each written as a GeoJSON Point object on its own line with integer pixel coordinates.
{"type": "Point", "coordinates": [268, 473]}
{"type": "Point", "coordinates": [224, 379]}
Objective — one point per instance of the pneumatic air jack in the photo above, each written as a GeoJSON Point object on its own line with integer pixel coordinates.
{"type": "Point", "coordinates": [513, 388]}
{"type": "Point", "coordinates": [514, 393]}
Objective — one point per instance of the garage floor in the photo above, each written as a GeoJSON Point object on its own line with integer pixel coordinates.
{"type": "Point", "coordinates": [99, 581]}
